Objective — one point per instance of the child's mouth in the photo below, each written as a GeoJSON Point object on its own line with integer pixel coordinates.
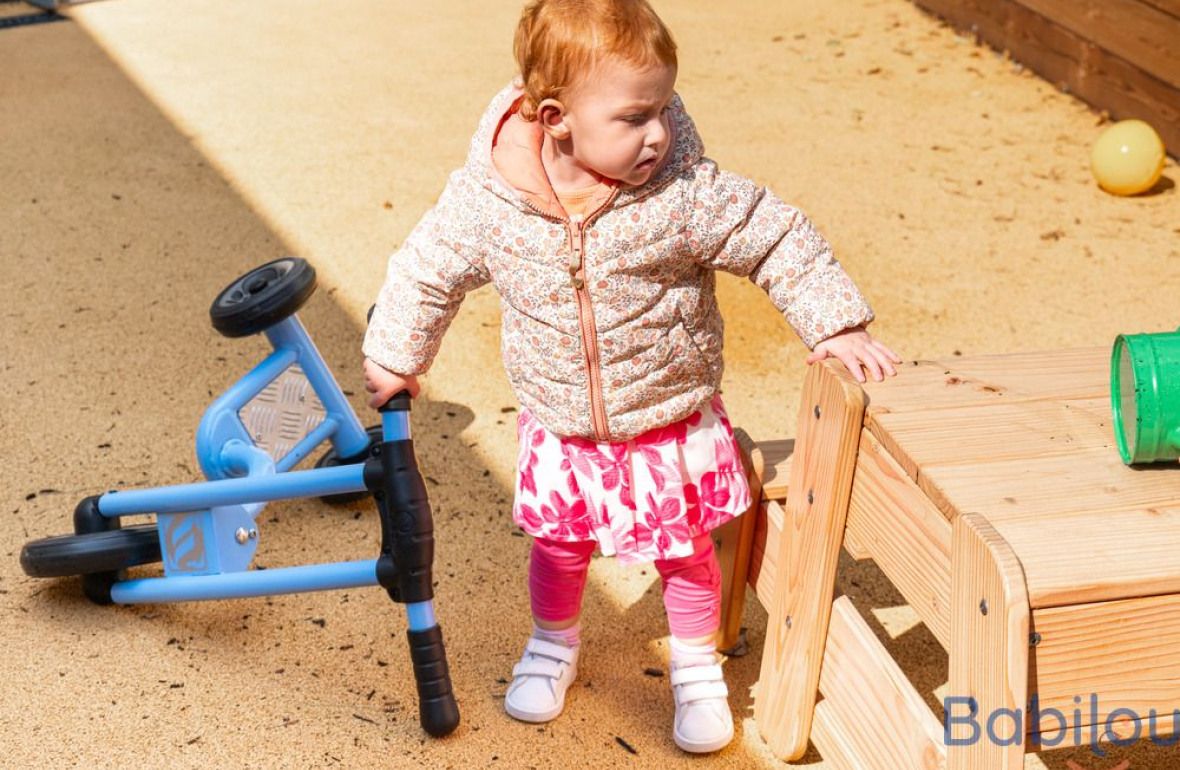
{"type": "Point", "coordinates": [647, 164]}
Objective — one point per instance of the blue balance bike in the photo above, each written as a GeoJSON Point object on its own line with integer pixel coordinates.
{"type": "Point", "coordinates": [247, 442]}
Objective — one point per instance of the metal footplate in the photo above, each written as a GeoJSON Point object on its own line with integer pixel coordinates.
{"type": "Point", "coordinates": [283, 413]}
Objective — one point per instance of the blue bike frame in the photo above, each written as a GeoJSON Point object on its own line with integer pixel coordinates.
{"type": "Point", "coordinates": [247, 443]}
{"type": "Point", "coordinates": [208, 532]}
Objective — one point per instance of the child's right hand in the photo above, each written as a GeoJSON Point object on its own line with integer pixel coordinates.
{"type": "Point", "coordinates": [382, 384]}
{"type": "Point", "coordinates": [856, 348]}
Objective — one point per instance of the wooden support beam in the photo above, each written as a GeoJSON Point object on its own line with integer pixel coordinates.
{"type": "Point", "coordinates": [734, 541]}
{"type": "Point", "coordinates": [988, 698]}
{"type": "Point", "coordinates": [831, 415]}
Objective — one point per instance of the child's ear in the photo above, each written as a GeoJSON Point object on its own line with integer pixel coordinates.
{"type": "Point", "coordinates": [551, 116]}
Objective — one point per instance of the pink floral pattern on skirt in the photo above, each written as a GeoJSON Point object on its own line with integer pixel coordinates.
{"type": "Point", "coordinates": [641, 499]}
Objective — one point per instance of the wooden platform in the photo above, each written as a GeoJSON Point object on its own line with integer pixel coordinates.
{"type": "Point", "coordinates": [989, 492]}
{"type": "Point", "coordinates": [1118, 55]}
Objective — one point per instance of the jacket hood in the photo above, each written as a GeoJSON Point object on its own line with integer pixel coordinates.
{"type": "Point", "coordinates": [517, 173]}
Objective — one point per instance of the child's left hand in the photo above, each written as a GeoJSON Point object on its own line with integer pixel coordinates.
{"type": "Point", "coordinates": [856, 348]}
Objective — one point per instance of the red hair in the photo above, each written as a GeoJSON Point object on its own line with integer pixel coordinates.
{"type": "Point", "coordinates": [559, 41]}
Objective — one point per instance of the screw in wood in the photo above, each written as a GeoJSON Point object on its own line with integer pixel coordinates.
{"type": "Point", "coordinates": [817, 411]}
{"type": "Point", "coordinates": [788, 622]}
{"type": "Point", "coordinates": [810, 496]}
{"type": "Point", "coordinates": [1034, 639]}
{"type": "Point", "coordinates": [983, 606]}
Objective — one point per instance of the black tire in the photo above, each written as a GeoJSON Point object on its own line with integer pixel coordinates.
{"type": "Point", "coordinates": [263, 297]}
{"type": "Point", "coordinates": [331, 460]}
{"type": "Point", "coordinates": [110, 551]}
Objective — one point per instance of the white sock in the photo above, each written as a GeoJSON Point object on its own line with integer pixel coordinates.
{"type": "Point", "coordinates": [570, 637]}
{"type": "Point", "coordinates": [683, 653]}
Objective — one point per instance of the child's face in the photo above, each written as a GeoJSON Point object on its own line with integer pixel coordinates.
{"type": "Point", "coordinates": [616, 119]}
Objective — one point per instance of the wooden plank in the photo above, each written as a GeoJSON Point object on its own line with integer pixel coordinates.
{"type": "Point", "coordinates": [767, 532]}
{"type": "Point", "coordinates": [776, 459]}
{"type": "Point", "coordinates": [882, 720]}
{"type": "Point", "coordinates": [776, 467]}
{"type": "Point", "coordinates": [764, 550]}
{"type": "Point", "coordinates": [1097, 407]}
{"type": "Point", "coordinates": [1060, 375]}
{"type": "Point", "coordinates": [989, 647]}
{"type": "Point", "coordinates": [831, 415]}
{"type": "Point", "coordinates": [1088, 481]}
{"type": "Point", "coordinates": [831, 737]}
{"type": "Point", "coordinates": [923, 385]}
{"type": "Point", "coordinates": [906, 535]}
{"type": "Point", "coordinates": [1080, 373]}
{"type": "Point", "coordinates": [1142, 35]}
{"type": "Point", "coordinates": [1159, 729]}
{"type": "Point", "coordinates": [1062, 57]}
{"type": "Point", "coordinates": [854, 545]}
{"type": "Point", "coordinates": [1006, 431]}
{"type": "Point", "coordinates": [1111, 655]}
{"type": "Point", "coordinates": [1072, 558]}
{"type": "Point", "coordinates": [1170, 7]}
{"type": "Point", "coordinates": [733, 542]}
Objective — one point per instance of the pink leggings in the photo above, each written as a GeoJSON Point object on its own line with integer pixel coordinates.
{"type": "Point", "coordinates": [692, 584]}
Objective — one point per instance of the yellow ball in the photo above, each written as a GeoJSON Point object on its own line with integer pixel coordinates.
{"type": "Point", "coordinates": [1128, 158]}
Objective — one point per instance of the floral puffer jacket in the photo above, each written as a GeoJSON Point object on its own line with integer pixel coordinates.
{"type": "Point", "coordinates": [610, 324]}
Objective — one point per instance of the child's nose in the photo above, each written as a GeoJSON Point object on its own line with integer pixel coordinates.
{"type": "Point", "coordinates": [657, 133]}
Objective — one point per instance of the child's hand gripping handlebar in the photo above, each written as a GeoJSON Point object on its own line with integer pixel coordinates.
{"type": "Point", "coordinates": [404, 566]}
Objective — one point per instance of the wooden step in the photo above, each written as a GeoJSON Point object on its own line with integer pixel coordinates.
{"type": "Point", "coordinates": [872, 717]}
{"type": "Point", "coordinates": [830, 736]}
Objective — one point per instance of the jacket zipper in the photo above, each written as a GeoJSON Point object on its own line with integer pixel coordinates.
{"type": "Point", "coordinates": [576, 227]}
{"type": "Point", "coordinates": [587, 326]}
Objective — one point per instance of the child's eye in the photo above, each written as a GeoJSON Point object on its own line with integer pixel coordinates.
{"type": "Point", "coordinates": [636, 120]}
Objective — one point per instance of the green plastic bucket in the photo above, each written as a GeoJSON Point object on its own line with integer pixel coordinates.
{"type": "Point", "coordinates": [1145, 396]}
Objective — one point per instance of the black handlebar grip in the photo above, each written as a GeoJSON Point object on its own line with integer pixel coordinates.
{"type": "Point", "coordinates": [437, 710]}
{"type": "Point", "coordinates": [404, 568]}
{"type": "Point", "coordinates": [398, 402]}
{"type": "Point", "coordinates": [407, 526]}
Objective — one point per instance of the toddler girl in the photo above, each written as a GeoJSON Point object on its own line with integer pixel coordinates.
{"type": "Point", "coordinates": [587, 201]}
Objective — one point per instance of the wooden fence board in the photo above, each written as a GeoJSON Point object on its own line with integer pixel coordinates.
{"type": "Point", "coordinates": [1170, 7]}
{"type": "Point", "coordinates": [1136, 32]}
{"type": "Point", "coordinates": [1098, 76]}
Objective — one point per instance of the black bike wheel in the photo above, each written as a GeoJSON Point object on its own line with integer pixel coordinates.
{"type": "Point", "coordinates": [110, 551]}
{"type": "Point", "coordinates": [263, 297]}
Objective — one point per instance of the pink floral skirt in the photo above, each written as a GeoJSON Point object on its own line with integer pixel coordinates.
{"type": "Point", "coordinates": [641, 499]}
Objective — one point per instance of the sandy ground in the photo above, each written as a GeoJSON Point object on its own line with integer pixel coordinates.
{"type": "Point", "coordinates": [150, 152]}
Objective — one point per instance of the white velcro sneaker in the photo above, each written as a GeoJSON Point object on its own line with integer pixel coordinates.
{"type": "Point", "coordinates": [703, 720]}
{"type": "Point", "coordinates": [540, 679]}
